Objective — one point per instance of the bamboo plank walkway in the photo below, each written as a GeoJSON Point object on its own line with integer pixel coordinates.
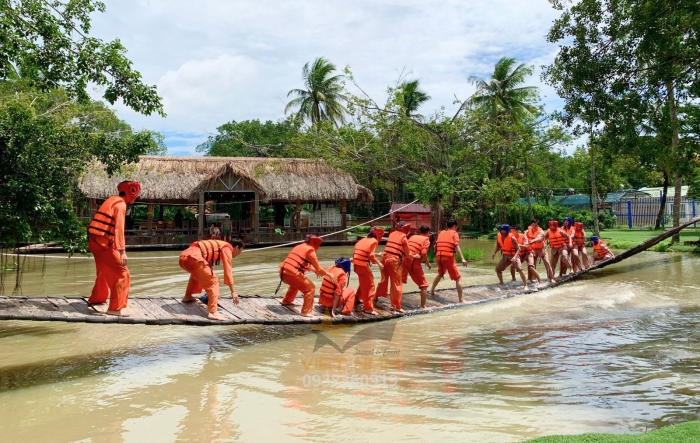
{"type": "Point", "coordinates": [267, 310]}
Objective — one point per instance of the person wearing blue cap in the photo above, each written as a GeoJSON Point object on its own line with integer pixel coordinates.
{"type": "Point", "coordinates": [508, 244]}
{"type": "Point", "coordinates": [334, 292]}
{"type": "Point", "coordinates": [602, 251]}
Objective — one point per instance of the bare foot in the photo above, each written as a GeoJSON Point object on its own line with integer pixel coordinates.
{"type": "Point", "coordinates": [216, 316]}
{"type": "Point", "coordinates": [118, 313]}
{"type": "Point", "coordinates": [286, 304]}
{"type": "Point", "coordinates": [371, 312]}
{"type": "Point", "coordinates": [552, 281]}
{"type": "Point", "coordinates": [526, 288]}
{"type": "Point", "coordinates": [96, 302]}
{"type": "Point", "coordinates": [307, 315]}
{"type": "Point", "coordinates": [432, 293]}
{"type": "Point", "coordinates": [461, 300]}
{"type": "Point", "coordinates": [399, 310]}
{"type": "Point", "coordinates": [188, 299]}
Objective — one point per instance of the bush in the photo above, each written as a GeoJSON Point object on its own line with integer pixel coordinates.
{"type": "Point", "coordinates": [517, 214]}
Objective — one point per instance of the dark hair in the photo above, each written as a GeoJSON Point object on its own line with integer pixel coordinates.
{"type": "Point", "coordinates": [451, 223]}
{"type": "Point", "coordinates": [122, 194]}
{"type": "Point", "coordinates": [371, 235]}
{"type": "Point", "coordinates": [534, 221]}
{"type": "Point", "coordinates": [237, 243]}
{"type": "Point", "coordinates": [424, 229]}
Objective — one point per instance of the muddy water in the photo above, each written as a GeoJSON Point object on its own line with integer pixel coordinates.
{"type": "Point", "coordinates": [616, 352]}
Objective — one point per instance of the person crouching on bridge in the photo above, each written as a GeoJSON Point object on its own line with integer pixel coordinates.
{"type": "Point", "coordinates": [601, 251]}
{"type": "Point", "coordinates": [508, 244]}
{"type": "Point", "coordinates": [418, 246]}
{"type": "Point", "coordinates": [106, 242]}
{"type": "Point", "coordinates": [334, 294]}
{"type": "Point", "coordinates": [199, 260]}
{"type": "Point", "coordinates": [579, 255]}
{"type": "Point", "coordinates": [392, 257]}
{"type": "Point", "coordinates": [446, 245]}
{"type": "Point", "coordinates": [535, 239]}
{"type": "Point", "coordinates": [300, 260]}
{"type": "Point", "coordinates": [363, 256]}
{"type": "Point", "coordinates": [559, 244]}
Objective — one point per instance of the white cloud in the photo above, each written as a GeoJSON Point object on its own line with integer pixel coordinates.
{"type": "Point", "coordinates": [216, 61]}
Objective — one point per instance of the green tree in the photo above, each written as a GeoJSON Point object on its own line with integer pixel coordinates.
{"type": "Point", "coordinates": [503, 96]}
{"type": "Point", "coordinates": [251, 138]}
{"type": "Point", "coordinates": [323, 96]}
{"type": "Point", "coordinates": [411, 97]}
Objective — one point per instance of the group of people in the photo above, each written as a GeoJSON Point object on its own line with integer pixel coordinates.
{"type": "Point", "coordinates": [402, 256]}
{"type": "Point", "coordinates": [567, 244]}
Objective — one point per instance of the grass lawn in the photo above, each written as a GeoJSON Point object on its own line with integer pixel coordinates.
{"type": "Point", "coordinates": [625, 238]}
{"type": "Point", "coordinates": [681, 433]}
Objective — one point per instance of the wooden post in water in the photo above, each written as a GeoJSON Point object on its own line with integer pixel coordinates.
{"type": "Point", "coordinates": [150, 219]}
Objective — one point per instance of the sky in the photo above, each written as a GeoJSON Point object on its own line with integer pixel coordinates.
{"type": "Point", "coordinates": [217, 61]}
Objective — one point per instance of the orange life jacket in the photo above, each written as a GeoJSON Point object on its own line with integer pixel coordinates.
{"type": "Point", "coordinates": [362, 251]}
{"type": "Point", "coordinates": [212, 249]}
{"type": "Point", "coordinates": [521, 241]}
{"type": "Point", "coordinates": [508, 246]}
{"type": "Point", "coordinates": [328, 286]}
{"type": "Point", "coordinates": [297, 260]}
{"type": "Point", "coordinates": [557, 238]}
{"type": "Point", "coordinates": [579, 238]}
{"type": "Point", "coordinates": [415, 244]}
{"type": "Point", "coordinates": [599, 248]}
{"type": "Point", "coordinates": [531, 235]}
{"type": "Point", "coordinates": [103, 222]}
{"type": "Point", "coordinates": [570, 230]}
{"type": "Point", "coordinates": [445, 244]}
{"type": "Point", "coordinates": [394, 244]}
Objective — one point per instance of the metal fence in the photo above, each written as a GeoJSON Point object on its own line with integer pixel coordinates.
{"type": "Point", "coordinates": [642, 212]}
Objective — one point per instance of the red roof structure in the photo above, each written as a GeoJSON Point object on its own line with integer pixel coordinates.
{"type": "Point", "coordinates": [415, 214]}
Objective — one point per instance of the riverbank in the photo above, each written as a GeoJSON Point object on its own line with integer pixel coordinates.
{"type": "Point", "coordinates": [680, 433]}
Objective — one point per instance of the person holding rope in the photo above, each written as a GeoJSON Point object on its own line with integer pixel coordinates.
{"type": "Point", "coordinates": [418, 245]}
{"type": "Point", "coordinates": [362, 258]}
{"type": "Point", "coordinates": [392, 257]}
{"type": "Point", "coordinates": [535, 239]}
{"type": "Point", "coordinates": [446, 245]}
{"type": "Point", "coordinates": [558, 243]}
{"type": "Point", "coordinates": [507, 243]}
{"type": "Point", "coordinates": [333, 293]}
{"type": "Point", "coordinates": [300, 260]}
{"type": "Point", "coordinates": [199, 260]}
{"type": "Point", "coordinates": [106, 242]}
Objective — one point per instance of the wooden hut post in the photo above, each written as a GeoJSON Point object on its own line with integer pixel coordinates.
{"type": "Point", "coordinates": [344, 214]}
{"type": "Point", "coordinates": [150, 219]}
{"type": "Point", "coordinates": [201, 216]}
{"type": "Point", "coordinates": [297, 216]}
{"type": "Point", "coordinates": [254, 217]}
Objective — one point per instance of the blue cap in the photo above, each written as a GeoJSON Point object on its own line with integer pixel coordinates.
{"type": "Point", "coordinates": [204, 299]}
{"type": "Point", "coordinates": [343, 263]}
{"type": "Point", "coordinates": [594, 239]}
{"type": "Point", "coordinates": [502, 227]}
{"type": "Point", "coordinates": [570, 220]}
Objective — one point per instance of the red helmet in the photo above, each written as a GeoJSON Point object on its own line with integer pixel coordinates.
{"type": "Point", "coordinates": [130, 190]}
{"type": "Point", "coordinates": [405, 227]}
{"type": "Point", "coordinates": [553, 225]}
{"type": "Point", "coordinates": [578, 226]}
{"type": "Point", "coordinates": [314, 240]}
{"type": "Point", "coordinates": [378, 232]}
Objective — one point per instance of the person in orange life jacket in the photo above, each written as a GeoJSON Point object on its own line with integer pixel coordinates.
{"type": "Point", "coordinates": [601, 251]}
{"type": "Point", "coordinates": [334, 292]}
{"type": "Point", "coordinates": [508, 244]}
{"type": "Point", "coordinates": [299, 260]}
{"type": "Point", "coordinates": [568, 227]}
{"type": "Point", "coordinates": [579, 255]}
{"type": "Point", "coordinates": [395, 250]}
{"type": "Point", "coordinates": [524, 251]}
{"type": "Point", "coordinates": [446, 245]}
{"type": "Point", "coordinates": [535, 238]}
{"type": "Point", "coordinates": [199, 260]}
{"type": "Point", "coordinates": [362, 258]}
{"type": "Point", "coordinates": [418, 245]}
{"type": "Point", "coordinates": [558, 242]}
{"type": "Point", "coordinates": [106, 242]}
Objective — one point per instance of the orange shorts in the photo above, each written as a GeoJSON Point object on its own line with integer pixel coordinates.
{"type": "Point", "coordinates": [448, 264]}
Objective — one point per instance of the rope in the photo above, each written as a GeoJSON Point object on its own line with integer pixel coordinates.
{"type": "Point", "coordinates": [281, 245]}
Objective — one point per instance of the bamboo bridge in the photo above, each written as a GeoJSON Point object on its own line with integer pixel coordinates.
{"type": "Point", "coordinates": [268, 311]}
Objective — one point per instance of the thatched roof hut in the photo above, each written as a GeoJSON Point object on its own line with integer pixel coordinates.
{"type": "Point", "coordinates": [180, 179]}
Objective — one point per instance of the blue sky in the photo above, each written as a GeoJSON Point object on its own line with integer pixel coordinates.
{"type": "Point", "coordinates": [215, 61]}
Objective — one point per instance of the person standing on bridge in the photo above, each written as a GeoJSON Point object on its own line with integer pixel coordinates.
{"type": "Point", "coordinates": [199, 260]}
{"type": "Point", "coordinates": [569, 229]}
{"type": "Point", "coordinates": [601, 251]}
{"type": "Point", "coordinates": [558, 242]}
{"type": "Point", "coordinates": [507, 243]}
{"type": "Point", "coordinates": [535, 239]}
{"type": "Point", "coordinates": [300, 260]}
{"type": "Point", "coordinates": [418, 245]}
{"type": "Point", "coordinates": [333, 293]}
{"type": "Point", "coordinates": [106, 242]}
{"type": "Point", "coordinates": [362, 258]}
{"type": "Point", "coordinates": [446, 245]}
{"type": "Point", "coordinates": [579, 255]}
{"type": "Point", "coordinates": [392, 257]}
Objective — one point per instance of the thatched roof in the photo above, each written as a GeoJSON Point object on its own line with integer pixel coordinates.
{"type": "Point", "coordinates": [179, 179]}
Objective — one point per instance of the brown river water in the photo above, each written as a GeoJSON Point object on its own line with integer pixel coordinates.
{"type": "Point", "coordinates": [614, 352]}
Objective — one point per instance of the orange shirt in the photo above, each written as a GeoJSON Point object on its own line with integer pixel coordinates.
{"type": "Point", "coordinates": [418, 244]}
{"type": "Point", "coordinates": [364, 251]}
{"type": "Point", "coordinates": [396, 245]}
{"type": "Point", "coordinates": [300, 259]}
{"type": "Point", "coordinates": [108, 222]}
{"type": "Point", "coordinates": [447, 243]}
{"type": "Point", "coordinates": [218, 249]}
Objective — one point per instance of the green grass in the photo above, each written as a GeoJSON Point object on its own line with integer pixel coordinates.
{"type": "Point", "coordinates": [625, 239]}
{"type": "Point", "coordinates": [681, 433]}
{"type": "Point", "coordinates": [469, 254]}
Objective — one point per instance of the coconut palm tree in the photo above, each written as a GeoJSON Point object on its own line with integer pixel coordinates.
{"type": "Point", "coordinates": [322, 98]}
{"type": "Point", "coordinates": [502, 95]}
{"type": "Point", "coordinates": [412, 97]}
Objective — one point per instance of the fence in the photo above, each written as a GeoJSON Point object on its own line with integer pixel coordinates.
{"type": "Point", "coordinates": [642, 212]}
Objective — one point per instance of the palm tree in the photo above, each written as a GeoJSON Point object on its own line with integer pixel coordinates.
{"type": "Point", "coordinates": [502, 96]}
{"type": "Point", "coordinates": [323, 94]}
{"type": "Point", "coordinates": [412, 97]}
